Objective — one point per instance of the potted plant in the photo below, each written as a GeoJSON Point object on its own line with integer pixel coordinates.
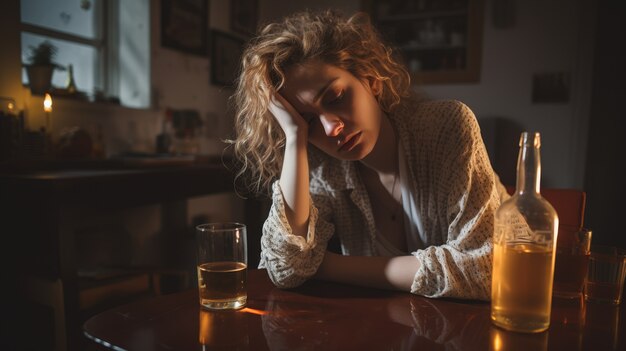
{"type": "Point", "coordinates": [40, 66]}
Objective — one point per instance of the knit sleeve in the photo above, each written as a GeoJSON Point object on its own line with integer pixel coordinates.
{"type": "Point", "coordinates": [467, 201]}
{"type": "Point", "coordinates": [291, 259]}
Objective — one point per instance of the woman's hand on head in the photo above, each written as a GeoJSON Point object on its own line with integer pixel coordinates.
{"type": "Point", "coordinates": [291, 122]}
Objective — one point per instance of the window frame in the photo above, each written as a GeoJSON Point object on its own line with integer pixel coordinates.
{"type": "Point", "coordinates": [105, 44]}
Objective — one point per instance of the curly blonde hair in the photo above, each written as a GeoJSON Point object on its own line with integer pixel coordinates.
{"type": "Point", "coordinates": [352, 44]}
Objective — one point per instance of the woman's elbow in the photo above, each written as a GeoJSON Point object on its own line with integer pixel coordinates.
{"type": "Point", "coordinates": [284, 279]}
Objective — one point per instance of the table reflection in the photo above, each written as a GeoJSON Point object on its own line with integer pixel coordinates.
{"type": "Point", "coordinates": [390, 323]}
{"type": "Point", "coordinates": [223, 330]}
{"type": "Point", "coordinates": [326, 316]}
{"type": "Point", "coordinates": [567, 323]}
{"type": "Point", "coordinates": [452, 324]}
{"type": "Point", "coordinates": [504, 340]}
{"type": "Point", "coordinates": [602, 327]}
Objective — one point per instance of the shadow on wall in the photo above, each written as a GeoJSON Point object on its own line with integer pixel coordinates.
{"type": "Point", "coordinates": [501, 137]}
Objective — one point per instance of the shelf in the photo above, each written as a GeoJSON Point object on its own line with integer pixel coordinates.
{"type": "Point", "coordinates": [440, 42]}
{"type": "Point", "coordinates": [432, 47]}
{"type": "Point", "coordinates": [426, 15]}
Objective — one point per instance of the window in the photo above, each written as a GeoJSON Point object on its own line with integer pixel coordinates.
{"type": "Point", "coordinates": [105, 41]}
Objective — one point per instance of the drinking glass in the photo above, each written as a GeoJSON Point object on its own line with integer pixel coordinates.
{"type": "Point", "coordinates": [572, 260]}
{"type": "Point", "coordinates": [605, 280]}
{"type": "Point", "coordinates": [222, 265]}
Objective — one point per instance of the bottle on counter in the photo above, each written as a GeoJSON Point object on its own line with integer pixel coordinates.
{"type": "Point", "coordinates": [70, 85]}
{"type": "Point", "coordinates": [525, 235]}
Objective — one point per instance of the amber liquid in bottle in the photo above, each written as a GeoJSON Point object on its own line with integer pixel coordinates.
{"type": "Point", "coordinates": [524, 249]}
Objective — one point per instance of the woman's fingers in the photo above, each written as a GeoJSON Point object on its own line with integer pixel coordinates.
{"type": "Point", "coordinates": [281, 102]}
{"type": "Point", "coordinates": [282, 109]}
{"type": "Point", "coordinates": [289, 119]}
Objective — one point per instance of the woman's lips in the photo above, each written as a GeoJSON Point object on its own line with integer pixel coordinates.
{"type": "Point", "coordinates": [350, 143]}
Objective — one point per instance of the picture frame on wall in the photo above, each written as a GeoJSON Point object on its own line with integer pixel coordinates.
{"type": "Point", "coordinates": [226, 51]}
{"type": "Point", "coordinates": [244, 16]}
{"type": "Point", "coordinates": [551, 87]}
{"type": "Point", "coordinates": [184, 25]}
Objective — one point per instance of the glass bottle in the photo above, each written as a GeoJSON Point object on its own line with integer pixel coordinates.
{"type": "Point", "coordinates": [524, 249]}
{"type": "Point", "coordinates": [70, 85]}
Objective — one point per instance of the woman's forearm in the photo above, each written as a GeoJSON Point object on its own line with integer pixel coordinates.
{"type": "Point", "coordinates": [294, 183]}
{"type": "Point", "coordinates": [394, 273]}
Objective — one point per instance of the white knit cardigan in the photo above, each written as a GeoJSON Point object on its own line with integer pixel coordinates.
{"type": "Point", "coordinates": [456, 194]}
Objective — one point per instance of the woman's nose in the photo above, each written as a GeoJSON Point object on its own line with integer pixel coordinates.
{"type": "Point", "coordinates": [332, 124]}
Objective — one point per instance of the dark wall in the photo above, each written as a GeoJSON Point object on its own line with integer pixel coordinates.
{"type": "Point", "coordinates": [606, 154]}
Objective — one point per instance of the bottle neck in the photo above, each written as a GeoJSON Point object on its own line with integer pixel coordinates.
{"type": "Point", "coordinates": [528, 167]}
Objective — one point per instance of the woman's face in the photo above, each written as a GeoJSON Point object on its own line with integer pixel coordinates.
{"type": "Point", "coordinates": [342, 111]}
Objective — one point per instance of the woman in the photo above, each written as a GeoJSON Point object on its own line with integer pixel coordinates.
{"type": "Point", "coordinates": [326, 120]}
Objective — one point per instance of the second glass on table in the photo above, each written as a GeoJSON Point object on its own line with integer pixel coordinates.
{"type": "Point", "coordinates": [222, 265]}
{"type": "Point", "coordinates": [607, 270]}
{"type": "Point", "coordinates": [572, 260]}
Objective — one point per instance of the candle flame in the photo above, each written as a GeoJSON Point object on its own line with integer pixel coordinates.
{"type": "Point", "coordinates": [47, 103]}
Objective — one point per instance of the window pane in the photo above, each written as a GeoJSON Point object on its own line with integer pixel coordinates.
{"type": "Point", "coordinates": [77, 17]}
{"type": "Point", "coordinates": [83, 58]}
{"type": "Point", "coordinates": [134, 53]}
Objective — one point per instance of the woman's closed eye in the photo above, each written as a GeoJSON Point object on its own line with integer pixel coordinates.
{"type": "Point", "coordinates": [331, 99]}
{"type": "Point", "coordinates": [336, 97]}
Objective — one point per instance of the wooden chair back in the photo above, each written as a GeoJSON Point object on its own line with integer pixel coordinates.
{"type": "Point", "coordinates": [568, 203]}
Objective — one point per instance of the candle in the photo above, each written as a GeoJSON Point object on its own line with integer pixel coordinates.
{"type": "Point", "coordinates": [47, 103]}
{"type": "Point", "coordinates": [47, 107]}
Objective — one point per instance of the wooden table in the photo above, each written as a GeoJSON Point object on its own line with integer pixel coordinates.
{"type": "Point", "coordinates": [326, 316]}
